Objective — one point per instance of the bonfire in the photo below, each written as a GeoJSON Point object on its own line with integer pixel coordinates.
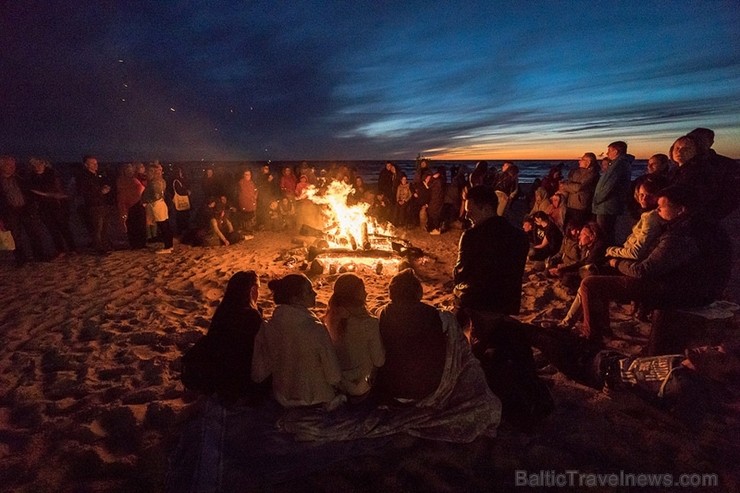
{"type": "Point", "coordinates": [351, 239]}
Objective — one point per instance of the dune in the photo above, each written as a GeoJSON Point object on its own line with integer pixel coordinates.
{"type": "Point", "coordinates": [90, 396]}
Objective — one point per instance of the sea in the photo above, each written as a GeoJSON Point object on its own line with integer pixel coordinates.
{"type": "Point", "coordinates": [529, 170]}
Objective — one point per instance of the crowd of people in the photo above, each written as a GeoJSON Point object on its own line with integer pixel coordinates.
{"type": "Point", "coordinates": [677, 253]}
{"type": "Point", "coordinates": [134, 205]}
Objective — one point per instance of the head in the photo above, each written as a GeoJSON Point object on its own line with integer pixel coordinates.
{"type": "Point", "coordinates": [589, 234]}
{"type": "Point", "coordinates": [658, 163]}
{"type": "Point", "coordinates": [139, 168]}
{"type": "Point", "coordinates": [265, 169]}
{"type": "Point", "coordinates": [720, 363]}
{"type": "Point", "coordinates": [512, 170]}
{"type": "Point", "coordinates": [572, 229]}
{"type": "Point", "coordinates": [704, 137]}
{"type": "Point", "coordinates": [506, 165]}
{"type": "Point", "coordinates": [303, 179]}
{"type": "Point", "coordinates": [128, 170]}
{"type": "Point", "coordinates": [405, 287]}
{"type": "Point", "coordinates": [616, 149]}
{"type": "Point", "coordinates": [7, 166]}
{"type": "Point", "coordinates": [154, 170]}
{"type": "Point", "coordinates": [287, 171]}
{"type": "Point", "coordinates": [541, 219]}
{"type": "Point", "coordinates": [38, 165]}
{"type": "Point", "coordinates": [247, 174]}
{"type": "Point", "coordinates": [349, 292]}
{"type": "Point", "coordinates": [404, 180]}
{"type": "Point", "coordinates": [674, 202]}
{"type": "Point", "coordinates": [647, 192]}
{"type": "Point", "coordinates": [90, 163]}
{"type": "Point", "coordinates": [683, 150]}
{"type": "Point", "coordinates": [528, 224]}
{"type": "Point", "coordinates": [293, 289]}
{"type": "Point", "coordinates": [481, 204]}
{"type": "Point", "coordinates": [242, 289]}
{"type": "Point", "coordinates": [389, 166]}
{"type": "Point", "coordinates": [605, 163]}
{"type": "Point", "coordinates": [588, 160]}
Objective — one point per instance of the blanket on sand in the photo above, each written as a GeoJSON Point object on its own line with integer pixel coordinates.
{"type": "Point", "coordinates": [241, 447]}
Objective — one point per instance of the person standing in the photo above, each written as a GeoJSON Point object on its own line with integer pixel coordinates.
{"type": "Point", "coordinates": [488, 288]}
{"type": "Point", "coordinates": [18, 212]}
{"type": "Point", "coordinates": [613, 189]}
{"type": "Point", "coordinates": [489, 268]}
{"type": "Point", "coordinates": [579, 190]}
{"type": "Point", "coordinates": [95, 192]}
{"type": "Point", "coordinates": [246, 198]}
{"type": "Point", "coordinates": [156, 206]}
{"type": "Point", "coordinates": [130, 209]}
{"type": "Point", "coordinates": [725, 171]}
{"type": "Point", "coordinates": [53, 203]}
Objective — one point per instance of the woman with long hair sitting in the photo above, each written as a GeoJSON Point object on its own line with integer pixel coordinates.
{"type": "Point", "coordinates": [355, 335]}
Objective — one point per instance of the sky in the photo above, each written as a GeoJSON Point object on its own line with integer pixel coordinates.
{"type": "Point", "coordinates": [350, 80]}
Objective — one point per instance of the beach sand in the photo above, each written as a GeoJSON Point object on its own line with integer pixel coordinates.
{"type": "Point", "coordinates": [90, 396]}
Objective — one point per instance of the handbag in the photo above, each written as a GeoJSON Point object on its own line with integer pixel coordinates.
{"type": "Point", "coordinates": [182, 202]}
{"type": "Point", "coordinates": [7, 243]}
{"type": "Point", "coordinates": [159, 210]}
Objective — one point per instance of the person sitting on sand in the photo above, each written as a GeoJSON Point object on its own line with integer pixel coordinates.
{"type": "Point", "coordinates": [224, 364]}
{"type": "Point", "coordinates": [355, 335]}
{"type": "Point", "coordinates": [568, 253]}
{"type": "Point", "coordinates": [557, 210]}
{"type": "Point", "coordinates": [294, 348]}
{"type": "Point", "coordinates": [688, 267]}
{"type": "Point", "coordinates": [648, 228]}
{"type": "Point", "coordinates": [549, 237]}
{"type": "Point", "coordinates": [591, 250]}
{"type": "Point", "coordinates": [415, 344]}
{"type": "Point", "coordinates": [637, 245]}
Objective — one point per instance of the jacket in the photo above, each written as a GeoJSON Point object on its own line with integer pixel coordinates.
{"type": "Point", "coordinates": [490, 265]}
{"type": "Point", "coordinates": [613, 188]}
{"type": "Point", "coordinates": [294, 347]}
{"type": "Point", "coordinates": [580, 188]}
{"type": "Point", "coordinates": [643, 235]}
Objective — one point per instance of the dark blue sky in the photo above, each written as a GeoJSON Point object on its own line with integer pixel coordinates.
{"type": "Point", "coordinates": [364, 80]}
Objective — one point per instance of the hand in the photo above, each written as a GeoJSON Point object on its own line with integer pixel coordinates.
{"type": "Point", "coordinates": [613, 262]}
{"type": "Point", "coordinates": [554, 272]}
{"type": "Point", "coordinates": [105, 189]}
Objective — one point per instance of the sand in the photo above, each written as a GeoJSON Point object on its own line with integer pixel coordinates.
{"type": "Point", "coordinates": [90, 397]}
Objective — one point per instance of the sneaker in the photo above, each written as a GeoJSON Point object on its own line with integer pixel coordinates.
{"type": "Point", "coordinates": [164, 250]}
{"type": "Point", "coordinates": [435, 232]}
{"type": "Point", "coordinates": [248, 237]}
